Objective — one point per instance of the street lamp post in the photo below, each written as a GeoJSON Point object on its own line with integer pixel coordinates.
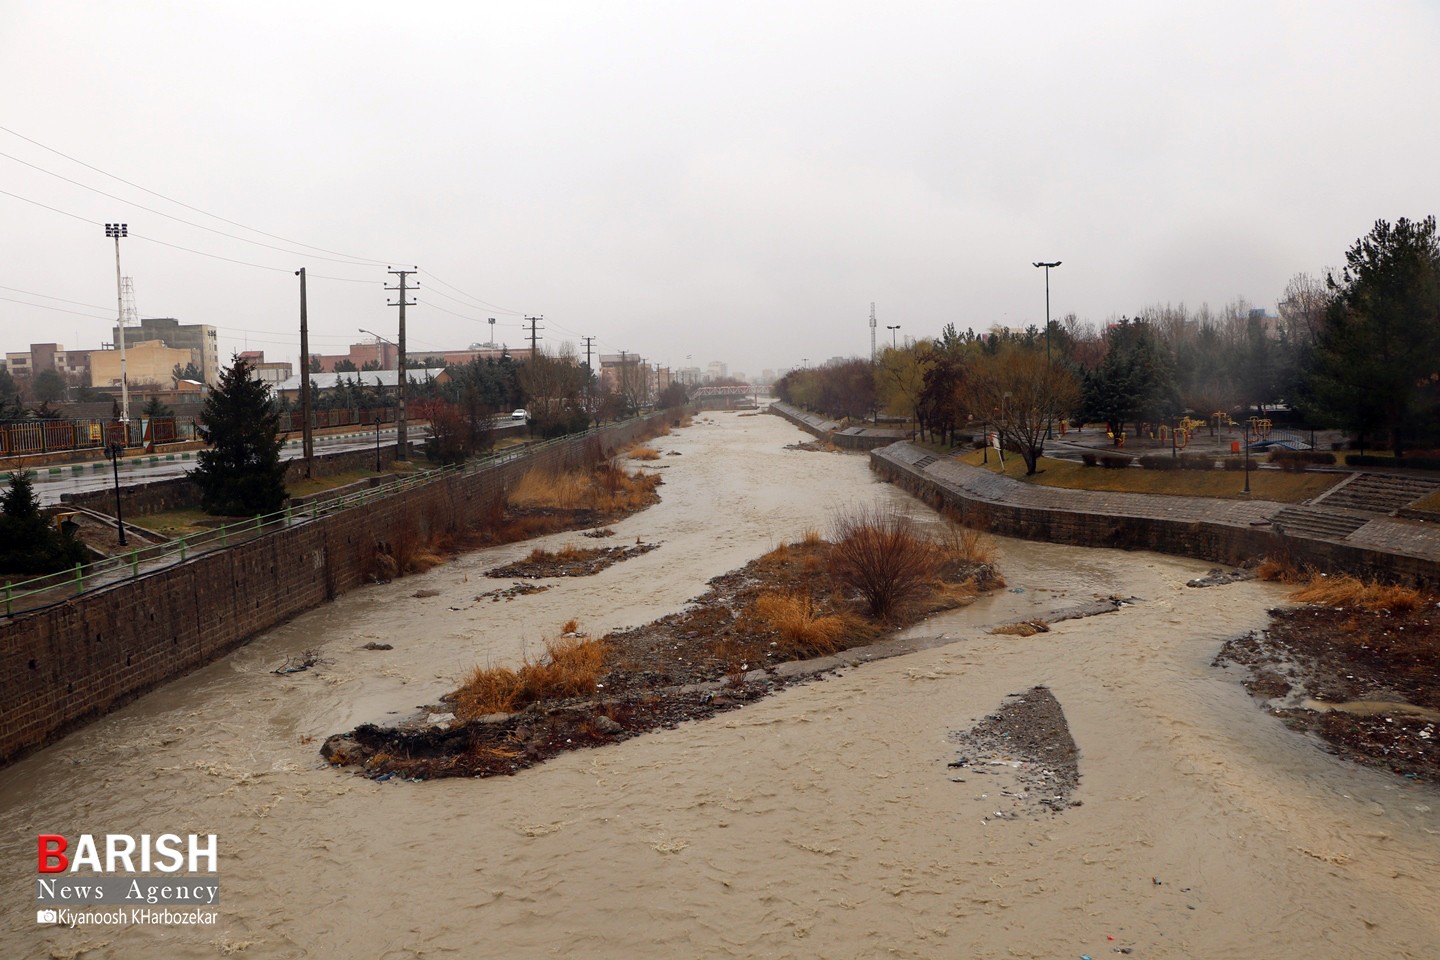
{"type": "Point", "coordinates": [118, 230]}
{"type": "Point", "coordinates": [378, 338]}
{"type": "Point", "coordinates": [116, 451]}
{"type": "Point", "coordinates": [1246, 441]}
{"type": "Point", "coordinates": [1047, 267]}
{"type": "Point", "coordinates": [892, 334]}
{"type": "Point", "coordinates": [377, 442]}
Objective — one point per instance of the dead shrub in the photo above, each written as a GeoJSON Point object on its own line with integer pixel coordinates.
{"type": "Point", "coordinates": [965, 546]}
{"type": "Point", "coordinates": [804, 630]}
{"type": "Point", "coordinates": [571, 667]}
{"type": "Point", "coordinates": [880, 553]}
{"type": "Point", "coordinates": [644, 453]}
{"type": "Point", "coordinates": [811, 537]}
{"type": "Point", "coordinates": [1279, 570]}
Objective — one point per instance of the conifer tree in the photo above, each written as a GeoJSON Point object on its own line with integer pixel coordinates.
{"type": "Point", "coordinates": [241, 474]}
{"type": "Point", "coordinates": [28, 541]}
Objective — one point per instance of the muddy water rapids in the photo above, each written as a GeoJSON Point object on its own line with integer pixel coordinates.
{"type": "Point", "coordinates": [820, 822]}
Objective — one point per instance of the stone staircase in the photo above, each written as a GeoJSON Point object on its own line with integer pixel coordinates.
{"type": "Point", "coordinates": [1382, 493]}
{"type": "Point", "coordinates": [1328, 524]}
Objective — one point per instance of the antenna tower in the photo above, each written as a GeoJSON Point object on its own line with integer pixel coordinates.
{"type": "Point", "coordinates": [129, 315]}
{"type": "Point", "coordinates": [872, 331]}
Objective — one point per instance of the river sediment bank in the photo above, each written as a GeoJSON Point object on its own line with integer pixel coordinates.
{"type": "Point", "coordinates": [823, 820]}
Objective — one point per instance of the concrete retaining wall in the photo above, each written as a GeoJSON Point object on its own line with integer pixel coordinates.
{"type": "Point", "coordinates": [846, 438]}
{"type": "Point", "coordinates": [1216, 540]}
{"type": "Point", "coordinates": [67, 664]}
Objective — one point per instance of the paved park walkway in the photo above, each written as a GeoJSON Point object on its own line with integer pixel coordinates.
{"type": "Point", "coordinates": [1370, 520]}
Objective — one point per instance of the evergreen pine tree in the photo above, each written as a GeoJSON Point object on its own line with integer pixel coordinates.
{"type": "Point", "coordinates": [241, 474]}
{"type": "Point", "coordinates": [28, 542]}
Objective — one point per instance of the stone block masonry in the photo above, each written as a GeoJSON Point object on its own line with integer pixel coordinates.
{"type": "Point", "coordinates": [1225, 531]}
{"type": "Point", "coordinates": [67, 664]}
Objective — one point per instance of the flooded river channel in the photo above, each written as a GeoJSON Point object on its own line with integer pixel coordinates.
{"type": "Point", "coordinates": [820, 822]}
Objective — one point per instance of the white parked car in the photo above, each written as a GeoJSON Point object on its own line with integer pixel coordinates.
{"type": "Point", "coordinates": [520, 414]}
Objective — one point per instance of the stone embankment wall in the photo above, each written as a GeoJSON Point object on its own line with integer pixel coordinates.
{"type": "Point", "coordinates": [67, 664]}
{"type": "Point", "coordinates": [1222, 540]}
{"type": "Point", "coordinates": [846, 438]}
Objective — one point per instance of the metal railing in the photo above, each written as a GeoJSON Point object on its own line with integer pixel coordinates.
{"type": "Point", "coordinates": [53, 588]}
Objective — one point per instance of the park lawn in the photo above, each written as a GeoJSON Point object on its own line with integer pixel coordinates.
{"type": "Point", "coordinates": [185, 521]}
{"type": "Point", "coordinates": [1430, 503]}
{"type": "Point", "coordinates": [1273, 485]}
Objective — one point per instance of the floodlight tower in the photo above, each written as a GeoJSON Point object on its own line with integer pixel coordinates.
{"type": "Point", "coordinates": [118, 230]}
{"type": "Point", "coordinates": [872, 332]}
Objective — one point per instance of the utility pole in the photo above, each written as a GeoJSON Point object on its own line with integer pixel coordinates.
{"type": "Point", "coordinates": [118, 230]}
{"type": "Point", "coordinates": [402, 447]}
{"type": "Point", "coordinates": [307, 440]}
{"type": "Point", "coordinates": [589, 375]}
{"type": "Point", "coordinates": [1049, 386]}
{"type": "Point", "coordinates": [534, 336]}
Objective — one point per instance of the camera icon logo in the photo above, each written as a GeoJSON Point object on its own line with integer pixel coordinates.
{"type": "Point", "coordinates": [47, 916]}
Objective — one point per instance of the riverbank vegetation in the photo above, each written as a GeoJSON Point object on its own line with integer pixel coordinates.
{"type": "Point", "coordinates": [1357, 349]}
{"type": "Point", "coordinates": [799, 601]}
{"type": "Point", "coordinates": [1356, 665]}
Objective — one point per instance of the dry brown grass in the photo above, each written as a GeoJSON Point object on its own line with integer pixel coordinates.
{"type": "Point", "coordinates": [642, 452]}
{"type": "Point", "coordinates": [571, 667]}
{"type": "Point", "coordinates": [1025, 628]}
{"type": "Point", "coordinates": [541, 488]}
{"type": "Point", "coordinates": [606, 487]}
{"type": "Point", "coordinates": [811, 537]}
{"type": "Point", "coordinates": [803, 629]}
{"type": "Point", "coordinates": [566, 554]}
{"type": "Point", "coordinates": [1344, 590]}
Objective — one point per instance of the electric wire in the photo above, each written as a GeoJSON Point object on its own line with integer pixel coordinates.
{"type": "Point", "coordinates": [188, 223]}
{"type": "Point", "coordinates": [41, 306]}
{"type": "Point", "coordinates": [187, 206]}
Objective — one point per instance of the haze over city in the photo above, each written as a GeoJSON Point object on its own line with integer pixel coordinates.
{"type": "Point", "coordinates": [733, 183]}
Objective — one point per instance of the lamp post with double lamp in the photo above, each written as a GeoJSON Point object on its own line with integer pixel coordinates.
{"type": "Point", "coordinates": [892, 334]}
{"type": "Point", "coordinates": [1246, 441]}
{"type": "Point", "coordinates": [380, 338]}
{"type": "Point", "coordinates": [1047, 267]}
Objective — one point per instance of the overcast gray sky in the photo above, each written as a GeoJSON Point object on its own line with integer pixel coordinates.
{"type": "Point", "coordinates": [732, 182]}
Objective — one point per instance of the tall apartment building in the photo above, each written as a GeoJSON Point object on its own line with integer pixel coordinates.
{"type": "Point", "coordinates": [198, 338]}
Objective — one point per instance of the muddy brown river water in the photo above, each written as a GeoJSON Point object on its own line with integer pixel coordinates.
{"type": "Point", "coordinates": [820, 822]}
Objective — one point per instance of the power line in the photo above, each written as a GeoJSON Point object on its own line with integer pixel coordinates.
{"type": "Point", "coordinates": [176, 246]}
{"type": "Point", "coordinates": [180, 203]}
{"type": "Point", "coordinates": [41, 306]}
{"type": "Point", "coordinates": [32, 293]}
{"type": "Point", "coordinates": [487, 305]}
{"type": "Point", "coordinates": [188, 223]}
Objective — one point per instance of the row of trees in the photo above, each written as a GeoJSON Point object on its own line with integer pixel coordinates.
{"type": "Point", "coordinates": [1360, 350]}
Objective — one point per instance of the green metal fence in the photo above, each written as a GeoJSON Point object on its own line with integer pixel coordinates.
{"type": "Point", "coordinates": [58, 587]}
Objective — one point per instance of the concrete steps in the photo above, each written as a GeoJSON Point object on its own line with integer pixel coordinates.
{"type": "Point", "coordinates": [1328, 524]}
{"type": "Point", "coordinates": [1382, 493]}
